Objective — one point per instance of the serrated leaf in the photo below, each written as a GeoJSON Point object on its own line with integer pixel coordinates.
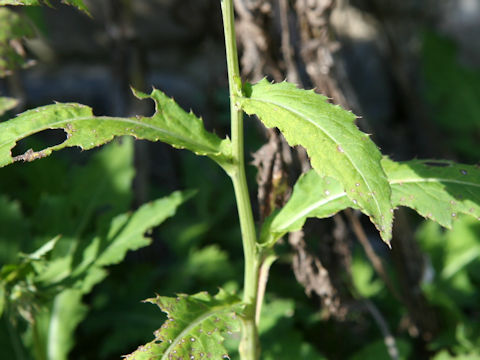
{"type": "Point", "coordinates": [337, 148]}
{"type": "Point", "coordinates": [6, 104]}
{"type": "Point", "coordinates": [438, 190]}
{"type": "Point", "coordinates": [194, 329]}
{"type": "Point", "coordinates": [76, 3]}
{"type": "Point", "coordinates": [169, 124]}
{"type": "Point", "coordinates": [127, 232]}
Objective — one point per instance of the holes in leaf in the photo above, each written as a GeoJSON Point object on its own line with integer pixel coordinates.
{"type": "Point", "coordinates": [437, 163]}
{"type": "Point", "coordinates": [39, 141]}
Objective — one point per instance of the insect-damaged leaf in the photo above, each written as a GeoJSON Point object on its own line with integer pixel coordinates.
{"type": "Point", "coordinates": [59, 281]}
{"type": "Point", "coordinates": [169, 124]}
{"type": "Point", "coordinates": [438, 190]}
{"type": "Point", "coordinates": [337, 148]}
{"type": "Point", "coordinates": [194, 329]}
{"type": "Point", "coordinates": [126, 233]}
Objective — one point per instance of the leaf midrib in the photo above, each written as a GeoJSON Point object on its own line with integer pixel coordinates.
{"type": "Point", "coordinates": [193, 324]}
{"type": "Point", "coordinates": [433, 180]}
{"type": "Point", "coordinates": [124, 120]}
{"type": "Point", "coordinates": [332, 138]}
{"type": "Point", "coordinates": [311, 208]}
{"type": "Point", "coordinates": [317, 204]}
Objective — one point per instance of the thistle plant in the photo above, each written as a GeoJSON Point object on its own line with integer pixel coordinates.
{"type": "Point", "coordinates": [348, 171]}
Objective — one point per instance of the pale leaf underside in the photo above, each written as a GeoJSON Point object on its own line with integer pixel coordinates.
{"type": "Point", "coordinates": [438, 190]}
{"type": "Point", "coordinates": [169, 124]}
{"type": "Point", "coordinates": [336, 147]}
{"type": "Point", "coordinates": [194, 329]}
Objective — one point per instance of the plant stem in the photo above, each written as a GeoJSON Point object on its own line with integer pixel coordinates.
{"type": "Point", "coordinates": [39, 350]}
{"type": "Point", "coordinates": [249, 346]}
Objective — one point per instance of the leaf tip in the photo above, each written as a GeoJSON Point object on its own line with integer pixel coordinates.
{"type": "Point", "coordinates": [138, 94]}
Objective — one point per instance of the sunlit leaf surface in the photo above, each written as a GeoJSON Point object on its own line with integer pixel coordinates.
{"type": "Point", "coordinates": [194, 329]}
{"type": "Point", "coordinates": [438, 190]}
{"type": "Point", "coordinates": [169, 124]}
{"type": "Point", "coordinates": [337, 148]}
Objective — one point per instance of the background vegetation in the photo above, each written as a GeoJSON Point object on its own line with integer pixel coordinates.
{"type": "Point", "coordinates": [411, 72]}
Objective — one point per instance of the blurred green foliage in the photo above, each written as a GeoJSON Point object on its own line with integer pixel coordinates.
{"type": "Point", "coordinates": [453, 286]}
{"type": "Point", "coordinates": [453, 91]}
{"type": "Point", "coordinates": [13, 29]}
{"type": "Point", "coordinates": [41, 293]}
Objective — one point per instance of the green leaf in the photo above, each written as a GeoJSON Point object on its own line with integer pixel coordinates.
{"type": "Point", "coordinates": [13, 26]}
{"type": "Point", "coordinates": [67, 312]}
{"type": "Point", "coordinates": [194, 329]}
{"type": "Point", "coordinates": [364, 277]}
{"type": "Point", "coordinates": [169, 124]}
{"type": "Point", "coordinates": [112, 171]}
{"type": "Point", "coordinates": [61, 282]}
{"type": "Point", "coordinates": [7, 104]}
{"type": "Point", "coordinates": [13, 29]}
{"type": "Point", "coordinates": [456, 112]}
{"type": "Point", "coordinates": [313, 196]}
{"type": "Point", "coordinates": [335, 145]}
{"type": "Point", "coordinates": [438, 190]}
{"type": "Point", "coordinates": [76, 3]}
{"type": "Point", "coordinates": [378, 350]}
{"type": "Point", "coordinates": [445, 355]}
{"type": "Point", "coordinates": [19, 2]}
{"type": "Point", "coordinates": [279, 335]}
{"type": "Point", "coordinates": [127, 231]}
{"type": "Point", "coordinates": [43, 250]}
{"type": "Point", "coordinates": [14, 229]}
{"type": "Point", "coordinates": [2, 298]}
{"type": "Point", "coordinates": [455, 260]}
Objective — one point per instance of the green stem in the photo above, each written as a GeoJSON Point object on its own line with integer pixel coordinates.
{"type": "Point", "coordinates": [39, 350]}
{"type": "Point", "coordinates": [249, 346]}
